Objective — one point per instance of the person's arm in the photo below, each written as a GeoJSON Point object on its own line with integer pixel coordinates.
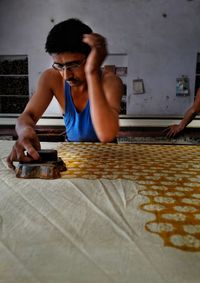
{"type": "Point", "coordinates": [26, 147]}
{"type": "Point", "coordinates": [105, 91]}
{"type": "Point", "coordinates": [188, 117]}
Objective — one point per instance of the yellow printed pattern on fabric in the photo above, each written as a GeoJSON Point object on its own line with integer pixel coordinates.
{"type": "Point", "coordinates": [169, 177]}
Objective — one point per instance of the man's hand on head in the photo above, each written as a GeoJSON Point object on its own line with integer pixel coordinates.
{"type": "Point", "coordinates": [98, 51]}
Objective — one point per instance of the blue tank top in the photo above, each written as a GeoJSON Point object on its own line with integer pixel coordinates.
{"type": "Point", "coordinates": [78, 125]}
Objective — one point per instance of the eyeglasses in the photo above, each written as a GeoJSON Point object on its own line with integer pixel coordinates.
{"type": "Point", "coordinates": [68, 66]}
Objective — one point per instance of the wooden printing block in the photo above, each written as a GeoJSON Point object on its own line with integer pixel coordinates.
{"type": "Point", "coordinates": [48, 166]}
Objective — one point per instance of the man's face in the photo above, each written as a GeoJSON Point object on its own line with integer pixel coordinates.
{"type": "Point", "coordinates": [71, 67]}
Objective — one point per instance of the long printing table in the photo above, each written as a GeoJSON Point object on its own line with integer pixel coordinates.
{"type": "Point", "coordinates": [120, 213]}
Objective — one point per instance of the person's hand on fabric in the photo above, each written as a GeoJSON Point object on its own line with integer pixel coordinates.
{"type": "Point", "coordinates": [25, 148]}
{"type": "Point", "coordinates": [173, 130]}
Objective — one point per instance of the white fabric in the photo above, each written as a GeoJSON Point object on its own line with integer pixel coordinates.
{"type": "Point", "coordinates": [75, 230]}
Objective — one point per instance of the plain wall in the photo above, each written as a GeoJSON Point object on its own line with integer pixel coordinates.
{"type": "Point", "coordinates": [161, 39]}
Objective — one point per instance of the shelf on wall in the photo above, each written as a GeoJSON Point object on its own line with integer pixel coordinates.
{"type": "Point", "coordinates": [14, 84]}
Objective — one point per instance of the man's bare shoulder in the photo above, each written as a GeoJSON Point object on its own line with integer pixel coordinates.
{"type": "Point", "coordinates": [113, 87]}
{"type": "Point", "coordinates": [50, 73]}
{"type": "Point", "coordinates": [111, 77]}
{"type": "Point", "coordinates": [51, 78]}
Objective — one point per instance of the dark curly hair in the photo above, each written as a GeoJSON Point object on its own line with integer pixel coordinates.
{"type": "Point", "coordinates": [67, 36]}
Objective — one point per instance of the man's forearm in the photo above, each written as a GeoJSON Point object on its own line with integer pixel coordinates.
{"type": "Point", "coordinates": [188, 117]}
{"type": "Point", "coordinates": [23, 122]}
